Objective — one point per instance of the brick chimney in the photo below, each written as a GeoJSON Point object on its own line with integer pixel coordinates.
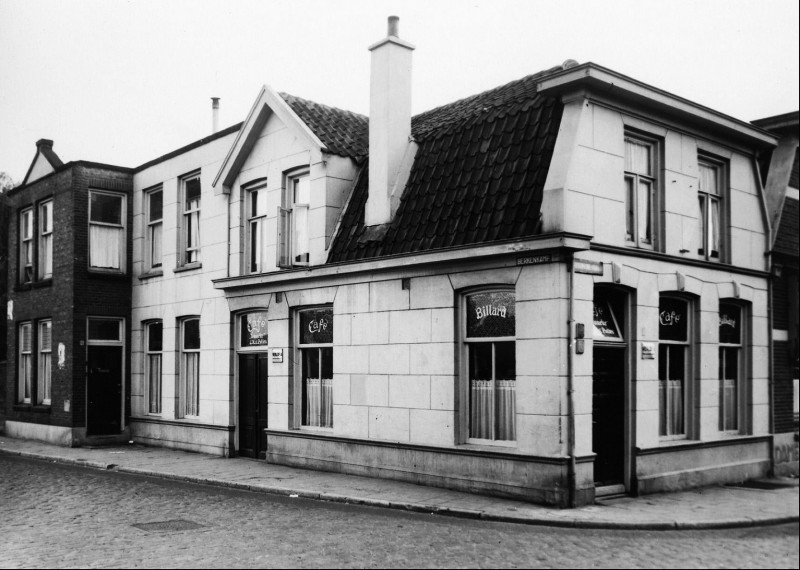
{"type": "Point", "coordinates": [389, 123]}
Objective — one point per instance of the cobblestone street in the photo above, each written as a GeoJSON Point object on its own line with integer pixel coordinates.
{"type": "Point", "coordinates": [62, 516]}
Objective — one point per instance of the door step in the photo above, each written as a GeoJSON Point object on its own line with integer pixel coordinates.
{"type": "Point", "coordinates": [607, 491]}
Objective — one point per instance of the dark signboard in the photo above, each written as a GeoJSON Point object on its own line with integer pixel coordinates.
{"type": "Point", "coordinates": [730, 324]}
{"type": "Point", "coordinates": [254, 329]}
{"type": "Point", "coordinates": [672, 319]}
{"type": "Point", "coordinates": [316, 326]}
{"type": "Point", "coordinates": [491, 314]}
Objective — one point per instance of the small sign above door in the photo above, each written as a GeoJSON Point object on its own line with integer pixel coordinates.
{"type": "Point", "coordinates": [254, 329]}
{"type": "Point", "coordinates": [277, 355]}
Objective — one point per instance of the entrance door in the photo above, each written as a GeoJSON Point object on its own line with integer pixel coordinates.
{"type": "Point", "coordinates": [103, 390]}
{"type": "Point", "coordinates": [608, 415]}
{"type": "Point", "coordinates": [252, 404]}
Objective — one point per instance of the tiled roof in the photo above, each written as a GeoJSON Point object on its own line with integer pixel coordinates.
{"type": "Point", "coordinates": [786, 242]}
{"type": "Point", "coordinates": [478, 175]}
{"type": "Point", "coordinates": [343, 132]}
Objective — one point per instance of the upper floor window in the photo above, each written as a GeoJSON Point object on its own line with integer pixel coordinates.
{"type": "Point", "coordinates": [710, 201]}
{"type": "Point", "coordinates": [293, 239]}
{"type": "Point", "coordinates": [106, 231]}
{"type": "Point", "coordinates": [674, 366]}
{"type": "Point", "coordinates": [489, 350]}
{"type": "Point", "coordinates": [190, 219]}
{"type": "Point", "coordinates": [256, 214]}
{"type": "Point", "coordinates": [46, 240]}
{"type": "Point", "coordinates": [26, 246]}
{"type": "Point", "coordinates": [154, 214]}
{"type": "Point", "coordinates": [641, 186]}
{"type": "Point", "coordinates": [315, 347]}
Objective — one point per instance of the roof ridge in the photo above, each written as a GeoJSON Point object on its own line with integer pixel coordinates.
{"type": "Point", "coordinates": [285, 95]}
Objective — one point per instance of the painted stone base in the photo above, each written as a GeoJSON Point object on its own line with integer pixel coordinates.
{"type": "Point", "coordinates": [63, 436]}
{"type": "Point", "coordinates": [786, 454]}
{"type": "Point", "coordinates": [698, 464]}
{"type": "Point", "coordinates": [202, 438]}
{"type": "Point", "coordinates": [534, 479]}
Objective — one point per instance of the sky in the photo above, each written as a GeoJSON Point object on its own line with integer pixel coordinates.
{"type": "Point", "coordinates": [125, 81]}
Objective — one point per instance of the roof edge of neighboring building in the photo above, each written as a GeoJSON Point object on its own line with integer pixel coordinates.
{"type": "Point", "coordinates": [188, 147]}
{"type": "Point", "coordinates": [67, 166]}
{"type": "Point", "coordinates": [782, 121]}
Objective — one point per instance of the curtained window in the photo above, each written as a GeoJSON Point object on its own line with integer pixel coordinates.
{"type": "Point", "coordinates": [25, 371]}
{"type": "Point", "coordinates": [315, 346]}
{"type": "Point", "coordinates": [26, 246]}
{"type": "Point", "coordinates": [709, 202]}
{"type": "Point", "coordinates": [730, 365]}
{"type": "Point", "coordinates": [674, 366]}
{"type": "Point", "coordinates": [106, 231]}
{"type": "Point", "coordinates": [155, 214]}
{"type": "Point", "coordinates": [46, 240]}
{"type": "Point", "coordinates": [190, 219]}
{"type": "Point", "coordinates": [490, 351]}
{"type": "Point", "coordinates": [640, 190]}
{"type": "Point", "coordinates": [153, 351]}
{"type": "Point", "coordinates": [44, 378]}
{"type": "Point", "coordinates": [256, 221]}
{"type": "Point", "coordinates": [189, 377]}
{"type": "Point", "coordinates": [293, 228]}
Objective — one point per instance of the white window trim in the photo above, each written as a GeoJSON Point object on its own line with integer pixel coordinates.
{"type": "Point", "coordinates": [151, 226]}
{"type": "Point", "coordinates": [185, 213]}
{"type": "Point", "coordinates": [250, 219]}
{"type": "Point", "coordinates": [721, 196]}
{"type": "Point", "coordinates": [123, 261]}
{"type": "Point", "coordinates": [40, 385]}
{"type": "Point", "coordinates": [654, 145]}
{"type": "Point", "coordinates": [286, 220]}
{"type": "Point", "coordinates": [26, 231]}
{"type": "Point", "coordinates": [183, 408]}
{"type": "Point", "coordinates": [743, 373]}
{"type": "Point", "coordinates": [45, 272]}
{"type": "Point", "coordinates": [148, 353]}
{"type": "Point", "coordinates": [21, 380]}
{"type": "Point", "coordinates": [298, 369]}
{"type": "Point", "coordinates": [689, 387]}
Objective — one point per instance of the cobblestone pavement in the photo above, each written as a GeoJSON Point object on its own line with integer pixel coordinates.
{"type": "Point", "coordinates": [54, 515]}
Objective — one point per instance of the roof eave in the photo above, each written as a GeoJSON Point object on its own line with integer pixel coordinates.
{"type": "Point", "coordinates": [598, 79]}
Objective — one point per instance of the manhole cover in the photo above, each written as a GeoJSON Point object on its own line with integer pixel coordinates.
{"type": "Point", "coordinates": [168, 526]}
{"type": "Point", "coordinates": [764, 485]}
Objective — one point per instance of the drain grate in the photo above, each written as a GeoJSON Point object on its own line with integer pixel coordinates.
{"type": "Point", "coordinates": [168, 526]}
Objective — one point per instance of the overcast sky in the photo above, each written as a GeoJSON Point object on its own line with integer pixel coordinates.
{"type": "Point", "coordinates": [123, 82]}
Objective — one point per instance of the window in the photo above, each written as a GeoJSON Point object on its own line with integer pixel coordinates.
{"type": "Point", "coordinates": [25, 373]}
{"type": "Point", "coordinates": [293, 239]}
{"type": "Point", "coordinates": [730, 366]}
{"type": "Point", "coordinates": [106, 231]}
{"type": "Point", "coordinates": [640, 190]}
{"type": "Point", "coordinates": [189, 376]}
{"type": "Point", "coordinates": [190, 232]}
{"type": "Point", "coordinates": [710, 209]}
{"type": "Point", "coordinates": [256, 208]}
{"type": "Point", "coordinates": [153, 338]}
{"type": "Point", "coordinates": [26, 246]}
{"type": "Point", "coordinates": [46, 240]}
{"type": "Point", "coordinates": [489, 348]}
{"type": "Point", "coordinates": [154, 213]}
{"type": "Point", "coordinates": [315, 347]}
{"type": "Point", "coordinates": [674, 366]}
{"type": "Point", "coordinates": [45, 371]}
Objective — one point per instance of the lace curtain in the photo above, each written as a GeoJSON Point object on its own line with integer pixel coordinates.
{"type": "Point", "coordinates": [319, 402]}
{"type": "Point", "coordinates": [191, 379]}
{"type": "Point", "coordinates": [105, 248]}
{"type": "Point", "coordinates": [492, 407]}
{"type": "Point", "coordinates": [154, 380]}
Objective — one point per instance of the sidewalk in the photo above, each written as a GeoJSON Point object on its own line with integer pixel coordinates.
{"type": "Point", "coordinates": [709, 507]}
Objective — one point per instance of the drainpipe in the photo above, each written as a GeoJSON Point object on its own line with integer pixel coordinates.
{"type": "Point", "coordinates": [571, 474]}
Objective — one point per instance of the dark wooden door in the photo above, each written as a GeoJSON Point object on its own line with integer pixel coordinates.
{"type": "Point", "coordinates": [608, 415]}
{"type": "Point", "coordinates": [103, 390]}
{"type": "Point", "coordinates": [252, 404]}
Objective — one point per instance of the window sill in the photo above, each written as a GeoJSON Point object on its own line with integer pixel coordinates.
{"type": "Point", "coordinates": [33, 285]}
{"type": "Point", "coordinates": [151, 274]}
{"type": "Point", "coordinates": [188, 267]}
{"type": "Point", "coordinates": [37, 409]}
{"type": "Point", "coordinates": [107, 274]}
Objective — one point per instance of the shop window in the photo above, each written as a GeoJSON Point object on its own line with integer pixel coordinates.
{"type": "Point", "coordinates": [315, 360]}
{"type": "Point", "coordinates": [674, 367]}
{"type": "Point", "coordinates": [641, 187]}
{"type": "Point", "coordinates": [731, 366]}
{"type": "Point", "coordinates": [153, 339]}
{"type": "Point", "coordinates": [46, 240]}
{"type": "Point", "coordinates": [293, 229]}
{"type": "Point", "coordinates": [25, 363]}
{"type": "Point", "coordinates": [190, 219]}
{"type": "Point", "coordinates": [489, 352]}
{"type": "Point", "coordinates": [256, 215]}
{"type": "Point", "coordinates": [45, 368]}
{"type": "Point", "coordinates": [711, 210]}
{"type": "Point", "coordinates": [154, 215]}
{"type": "Point", "coordinates": [26, 246]}
{"type": "Point", "coordinates": [189, 368]}
{"type": "Point", "coordinates": [106, 231]}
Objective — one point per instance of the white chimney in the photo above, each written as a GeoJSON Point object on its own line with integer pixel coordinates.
{"type": "Point", "coordinates": [214, 114]}
{"type": "Point", "coordinates": [389, 122]}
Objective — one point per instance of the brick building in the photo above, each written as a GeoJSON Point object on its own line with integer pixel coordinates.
{"type": "Point", "coordinates": [69, 301]}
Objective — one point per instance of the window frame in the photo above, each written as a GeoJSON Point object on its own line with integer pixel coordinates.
{"type": "Point", "coordinates": [464, 342]}
{"type": "Point", "coordinates": [743, 375]}
{"type": "Point", "coordinates": [151, 265]}
{"type": "Point", "coordinates": [705, 213]}
{"type": "Point", "coordinates": [258, 189]}
{"type": "Point", "coordinates": [183, 408]}
{"type": "Point", "coordinates": [44, 365]}
{"type": "Point", "coordinates": [25, 380]}
{"type": "Point", "coordinates": [45, 239]}
{"type": "Point", "coordinates": [122, 226]}
{"type": "Point", "coordinates": [27, 246]}
{"type": "Point", "coordinates": [689, 373]}
{"type": "Point", "coordinates": [185, 215]}
{"type": "Point", "coordinates": [288, 213]}
{"type": "Point", "coordinates": [298, 351]}
{"type": "Point", "coordinates": [150, 354]}
{"type": "Point", "coordinates": [631, 199]}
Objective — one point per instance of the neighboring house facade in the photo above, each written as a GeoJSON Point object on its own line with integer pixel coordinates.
{"type": "Point", "coordinates": [68, 310]}
{"type": "Point", "coordinates": [3, 301]}
{"type": "Point", "coordinates": [782, 188]}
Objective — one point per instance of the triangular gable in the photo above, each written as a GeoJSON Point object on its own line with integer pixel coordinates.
{"type": "Point", "coordinates": [267, 103]}
{"type": "Point", "coordinates": [44, 162]}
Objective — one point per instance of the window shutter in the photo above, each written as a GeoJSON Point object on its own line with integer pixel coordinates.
{"type": "Point", "coordinates": [283, 238]}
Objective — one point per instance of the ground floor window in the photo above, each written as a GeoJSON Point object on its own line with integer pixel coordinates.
{"type": "Point", "coordinates": [189, 374]}
{"type": "Point", "coordinates": [489, 348]}
{"type": "Point", "coordinates": [315, 348]}
{"type": "Point", "coordinates": [153, 351]}
{"type": "Point", "coordinates": [731, 366]}
{"type": "Point", "coordinates": [45, 371]}
{"type": "Point", "coordinates": [674, 370]}
{"type": "Point", "coordinates": [25, 362]}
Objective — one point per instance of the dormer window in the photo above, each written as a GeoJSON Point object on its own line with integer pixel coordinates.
{"type": "Point", "coordinates": [256, 213]}
{"type": "Point", "coordinates": [711, 212]}
{"type": "Point", "coordinates": [293, 238]}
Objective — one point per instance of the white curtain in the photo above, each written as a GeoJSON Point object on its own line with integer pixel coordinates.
{"type": "Point", "coordinates": [643, 217]}
{"type": "Point", "coordinates": [729, 404]}
{"type": "Point", "coordinates": [481, 392]}
{"type": "Point", "coordinates": [154, 380]}
{"type": "Point", "coordinates": [637, 157]}
{"type": "Point", "coordinates": [191, 378]}
{"type": "Point", "coordinates": [46, 257]}
{"type": "Point", "coordinates": [45, 372]}
{"type": "Point", "coordinates": [319, 402]}
{"type": "Point", "coordinates": [676, 406]}
{"type": "Point", "coordinates": [155, 245]}
{"type": "Point", "coordinates": [505, 407]}
{"type": "Point", "coordinates": [105, 246]}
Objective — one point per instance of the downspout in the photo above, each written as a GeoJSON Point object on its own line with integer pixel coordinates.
{"type": "Point", "coordinates": [572, 468]}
